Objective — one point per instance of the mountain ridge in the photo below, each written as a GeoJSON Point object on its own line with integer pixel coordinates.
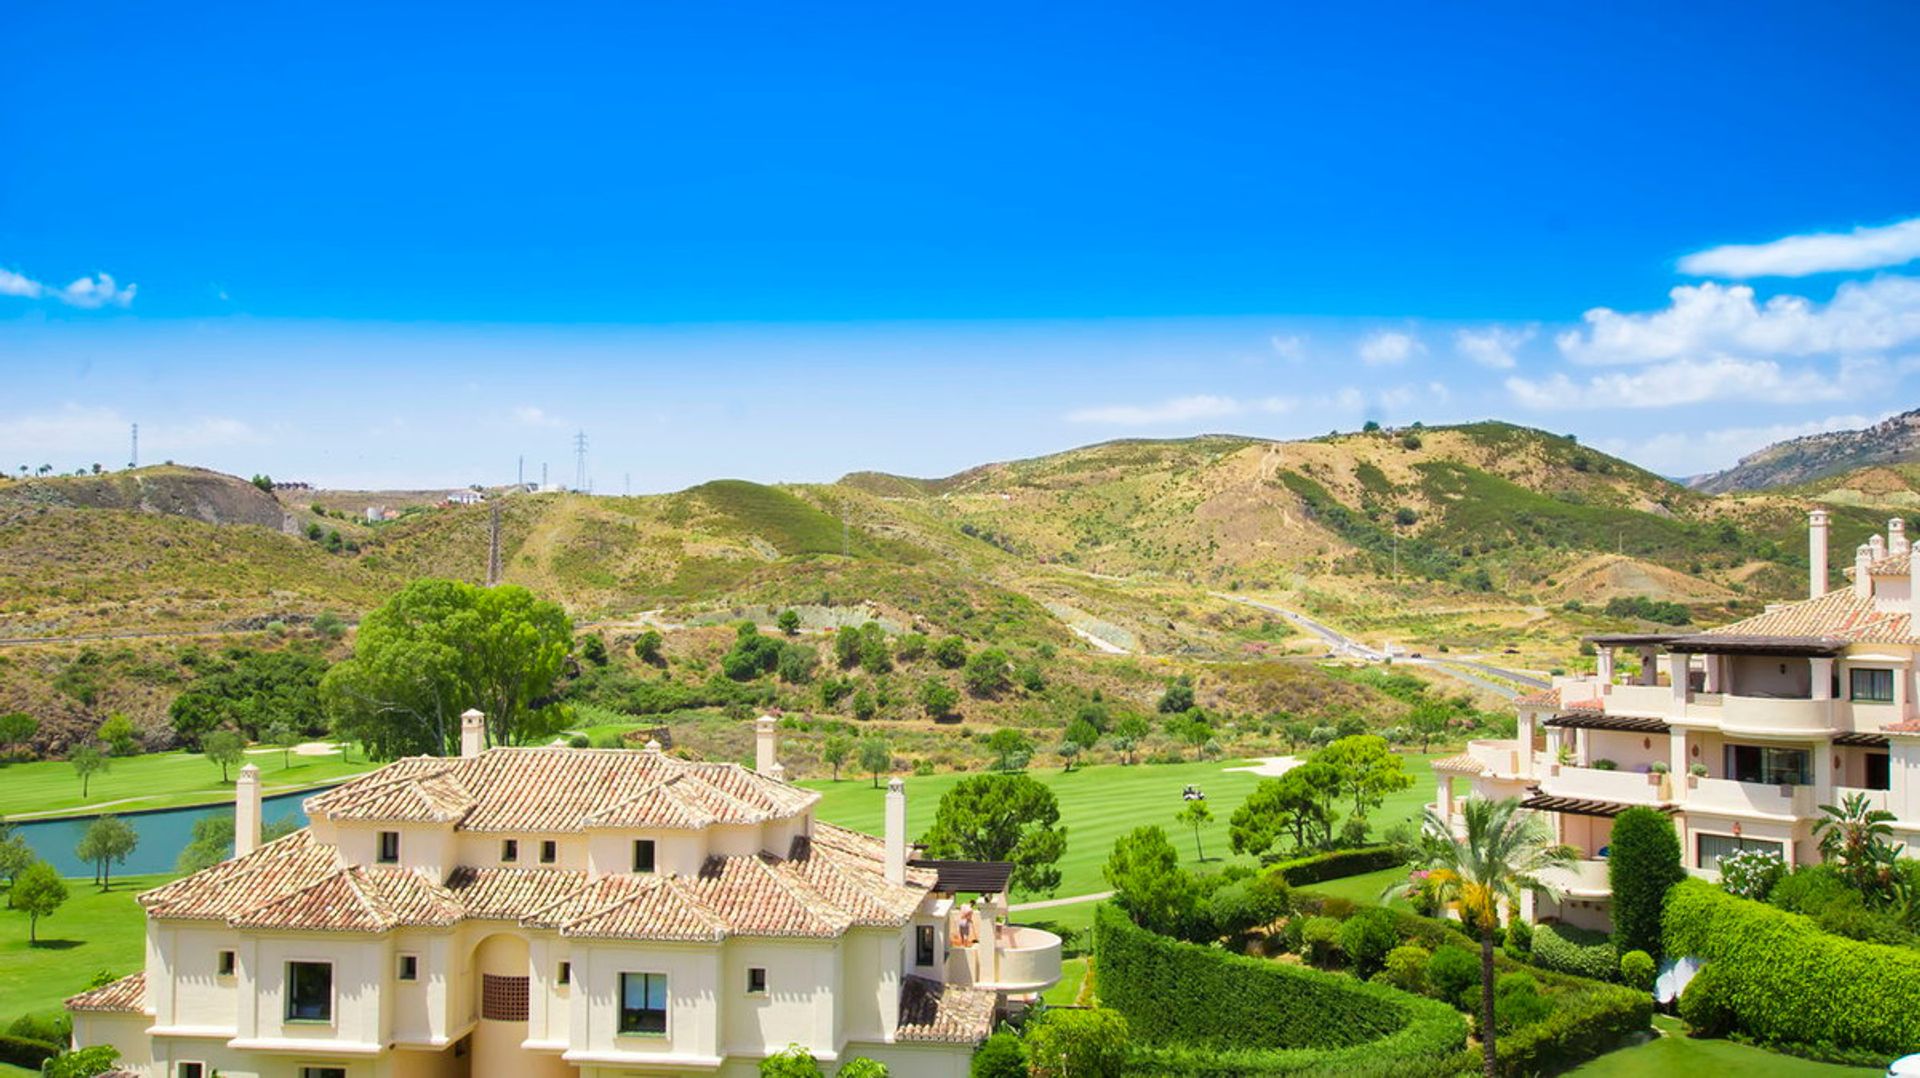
{"type": "Point", "coordinates": [1813, 457]}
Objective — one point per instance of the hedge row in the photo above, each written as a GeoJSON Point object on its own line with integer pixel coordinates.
{"type": "Point", "coordinates": [1788, 983]}
{"type": "Point", "coordinates": [1204, 1011]}
{"type": "Point", "coordinates": [1578, 951]}
{"type": "Point", "coordinates": [1336, 864]}
{"type": "Point", "coordinates": [26, 1052]}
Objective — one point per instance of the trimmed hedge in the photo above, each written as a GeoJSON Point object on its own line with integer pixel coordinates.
{"type": "Point", "coordinates": [25, 1051]}
{"type": "Point", "coordinates": [1202, 1011]}
{"type": "Point", "coordinates": [1787, 983]}
{"type": "Point", "coordinates": [1336, 864]}
{"type": "Point", "coordinates": [1644, 862]}
{"type": "Point", "coordinates": [1578, 951]}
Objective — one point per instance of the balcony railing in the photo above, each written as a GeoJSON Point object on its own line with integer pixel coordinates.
{"type": "Point", "coordinates": [1748, 798]}
{"type": "Point", "coordinates": [1591, 783]}
{"type": "Point", "coordinates": [1029, 959]}
{"type": "Point", "coordinates": [1582, 879]}
{"type": "Point", "coordinates": [1655, 700]}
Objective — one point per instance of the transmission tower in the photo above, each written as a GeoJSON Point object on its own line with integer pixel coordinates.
{"type": "Point", "coordinates": [580, 461]}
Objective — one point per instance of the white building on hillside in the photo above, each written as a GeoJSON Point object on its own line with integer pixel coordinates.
{"type": "Point", "coordinates": [555, 911]}
{"type": "Point", "coordinates": [1740, 733]}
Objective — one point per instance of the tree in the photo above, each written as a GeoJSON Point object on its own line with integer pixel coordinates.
{"type": "Point", "coordinates": [986, 673]}
{"type": "Point", "coordinates": [1643, 862]}
{"type": "Point", "coordinates": [950, 652]}
{"type": "Point", "coordinates": [875, 656]}
{"type": "Point", "coordinates": [862, 1067]}
{"type": "Point", "coordinates": [646, 647]}
{"type": "Point", "coordinates": [1002, 818]}
{"type": "Point", "coordinates": [15, 856]}
{"type": "Point", "coordinates": [107, 842]}
{"type": "Point", "coordinates": [834, 752]}
{"type": "Point", "coordinates": [1002, 1055]}
{"type": "Point", "coordinates": [1006, 743]}
{"type": "Point", "coordinates": [1196, 814]}
{"type": "Point", "coordinates": [213, 841]}
{"type": "Point", "coordinates": [1127, 735]}
{"type": "Point", "coordinates": [876, 757]}
{"type": "Point", "coordinates": [846, 646]}
{"type": "Point", "coordinates": [1854, 837]}
{"type": "Point", "coordinates": [119, 735]}
{"type": "Point", "coordinates": [910, 646]}
{"type": "Point", "coordinates": [791, 1062]}
{"type": "Point", "coordinates": [87, 761]}
{"type": "Point", "coordinates": [751, 655]}
{"type": "Point", "coordinates": [248, 691]}
{"type": "Point", "coordinates": [1078, 1044]}
{"type": "Point", "coordinates": [1429, 720]}
{"type": "Point", "coordinates": [82, 1062]}
{"type": "Point", "coordinates": [1503, 853]}
{"type": "Point", "coordinates": [938, 698]}
{"type": "Point", "coordinates": [1296, 805]}
{"type": "Point", "coordinates": [788, 622]}
{"type": "Point", "coordinates": [1082, 733]}
{"type": "Point", "coordinates": [225, 748]}
{"type": "Point", "coordinates": [864, 705]}
{"type": "Point", "coordinates": [1068, 750]}
{"type": "Point", "coordinates": [1178, 698]}
{"type": "Point", "coordinates": [39, 891]}
{"type": "Point", "coordinates": [440, 647]}
{"type": "Point", "coordinates": [1366, 770]}
{"type": "Point", "coordinates": [284, 738]}
{"type": "Point", "coordinates": [593, 648]}
{"type": "Point", "coordinates": [16, 729]}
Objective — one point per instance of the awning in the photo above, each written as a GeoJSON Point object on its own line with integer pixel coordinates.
{"type": "Point", "coordinates": [1580, 806]}
{"type": "Point", "coordinates": [1861, 741]}
{"type": "Point", "coordinates": [970, 877]}
{"type": "Point", "coordinates": [1629, 640]}
{"type": "Point", "coordinates": [1754, 644]}
{"type": "Point", "coordinates": [1599, 720]}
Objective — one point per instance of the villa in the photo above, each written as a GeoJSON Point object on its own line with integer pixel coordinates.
{"type": "Point", "coordinates": [1740, 733]}
{"type": "Point", "coordinates": [557, 911]}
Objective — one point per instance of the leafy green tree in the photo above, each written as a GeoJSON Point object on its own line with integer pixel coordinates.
{"type": "Point", "coordinates": [986, 673]}
{"type": "Point", "coordinates": [797, 662]}
{"type": "Point", "coordinates": [249, 690]}
{"type": "Point", "coordinates": [439, 647]}
{"type": "Point", "coordinates": [1083, 733]}
{"type": "Point", "coordinates": [938, 698]}
{"type": "Point", "coordinates": [1295, 806]}
{"type": "Point", "coordinates": [910, 646]}
{"type": "Point", "coordinates": [38, 891]}
{"type": "Point", "coordinates": [16, 729]}
{"type": "Point", "coordinates": [1178, 698]}
{"type": "Point", "coordinates": [593, 648]}
{"type": "Point", "coordinates": [646, 647]}
{"type": "Point", "coordinates": [1007, 743]}
{"type": "Point", "coordinates": [87, 761]}
{"type": "Point", "coordinates": [1297, 733]}
{"type": "Point", "coordinates": [1127, 735]}
{"type": "Point", "coordinates": [1643, 862]}
{"type": "Point", "coordinates": [1503, 853]}
{"type": "Point", "coordinates": [834, 752]}
{"type": "Point", "coordinates": [875, 656]}
{"type": "Point", "coordinates": [15, 856]}
{"type": "Point", "coordinates": [212, 841]}
{"type": "Point", "coordinates": [1429, 720]}
{"type": "Point", "coordinates": [1195, 814]}
{"type": "Point", "coordinates": [1002, 1055]}
{"type": "Point", "coordinates": [1366, 769]}
{"type": "Point", "coordinates": [1144, 873]}
{"type": "Point", "coordinates": [791, 1062]}
{"type": "Point", "coordinates": [846, 646]}
{"type": "Point", "coordinates": [285, 738]}
{"type": "Point", "coordinates": [751, 655]}
{"type": "Point", "coordinates": [788, 622]}
{"type": "Point", "coordinates": [1069, 751]}
{"type": "Point", "coordinates": [82, 1062]}
{"type": "Point", "coordinates": [1078, 1044]}
{"type": "Point", "coordinates": [876, 757]}
{"type": "Point", "coordinates": [864, 705]}
{"type": "Point", "coordinates": [1002, 818]}
{"type": "Point", "coordinates": [950, 652]}
{"type": "Point", "coordinates": [224, 748]}
{"type": "Point", "coordinates": [120, 736]}
{"type": "Point", "coordinates": [107, 842]}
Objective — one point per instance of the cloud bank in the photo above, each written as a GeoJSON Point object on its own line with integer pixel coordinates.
{"type": "Point", "coordinates": [1818, 252]}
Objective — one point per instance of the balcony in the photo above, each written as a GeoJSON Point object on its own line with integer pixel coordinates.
{"type": "Point", "coordinates": [1776, 716]}
{"type": "Point", "coordinates": [1026, 959]}
{"type": "Point", "coordinates": [1652, 700]}
{"type": "Point", "coordinates": [1593, 784]}
{"type": "Point", "coordinates": [1749, 798]}
{"type": "Point", "coordinates": [1582, 879]}
{"type": "Point", "coordinates": [1500, 757]}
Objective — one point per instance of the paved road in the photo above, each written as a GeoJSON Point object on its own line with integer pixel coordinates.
{"type": "Point", "coordinates": [1022, 907]}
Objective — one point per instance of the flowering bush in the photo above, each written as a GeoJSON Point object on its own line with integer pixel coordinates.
{"type": "Point", "coordinates": [1751, 873]}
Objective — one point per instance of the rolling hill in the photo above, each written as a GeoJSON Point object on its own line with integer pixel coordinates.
{"type": "Point", "coordinates": [1801, 461]}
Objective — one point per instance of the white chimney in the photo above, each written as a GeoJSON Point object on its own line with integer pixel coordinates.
{"type": "Point", "coordinates": [246, 811]}
{"type": "Point", "coordinates": [766, 747]}
{"type": "Point", "coordinates": [1863, 560]}
{"type": "Point", "coordinates": [1913, 589]}
{"type": "Point", "coordinates": [473, 733]}
{"type": "Point", "coordinates": [1816, 553]}
{"type": "Point", "coordinates": [1878, 543]}
{"type": "Point", "coordinates": [896, 832]}
{"type": "Point", "coordinates": [1897, 536]}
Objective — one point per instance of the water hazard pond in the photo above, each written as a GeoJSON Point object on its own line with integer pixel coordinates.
{"type": "Point", "coordinates": [163, 833]}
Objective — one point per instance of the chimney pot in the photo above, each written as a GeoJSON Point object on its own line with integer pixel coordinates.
{"type": "Point", "coordinates": [1816, 553]}
{"type": "Point", "coordinates": [766, 754]}
{"type": "Point", "coordinates": [1897, 536]}
{"type": "Point", "coordinates": [1862, 570]}
{"type": "Point", "coordinates": [473, 733]}
{"type": "Point", "coordinates": [246, 811]}
{"type": "Point", "coordinates": [896, 832]}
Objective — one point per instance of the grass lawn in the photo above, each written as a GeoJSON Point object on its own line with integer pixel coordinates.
{"type": "Point", "coordinates": [156, 780]}
{"type": "Point", "coordinates": [1364, 889]}
{"type": "Point", "coordinates": [1677, 1053]}
{"type": "Point", "coordinates": [1072, 972]}
{"type": "Point", "coordinates": [1101, 802]}
{"type": "Point", "coordinates": [93, 931]}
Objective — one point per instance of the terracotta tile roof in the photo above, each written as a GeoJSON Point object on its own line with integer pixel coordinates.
{"type": "Point", "coordinates": [1840, 614]}
{"type": "Point", "coordinates": [1548, 698]}
{"type": "Point", "coordinates": [267, 875]}
{"type": "Point", "coordinates": [1597, 703]}
{"type": "Point", "coordinates": [1463, 764]}
{"type": "Point", "coordinates": [1891, 565]}
{"type": "Point", "coordinates": [931, 1011]}
{"type": "Point", "coordinates": [128, 995]}
{"type": "Point", "coordinates": [1911, 726]}
{"type": "Point", "coordinates": [509, 894]}
{"type": "Point", "coordinates": [562, 789]}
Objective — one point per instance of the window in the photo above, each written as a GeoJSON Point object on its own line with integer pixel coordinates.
{"type": "Point", "coordinates": [1769, 765]}
{"type": "Point", "coordinates": [756, 980]}
{"type": "Point", "coordinates": [643, 855]}
{"type": "Point", "coordinates": [224, 964]}
{"type": "Point", "coordinates": [643, 1003]}
{"type": "Point", "coordinates": [503, 999]}
{"type": "Point", "coordinates": [389, 847]}
{"type": "Point", "coordinates": [409, 967]}
{"type": "Point", "coordinates": [323, 1072]}
{"type": "Point", "coordinates": [309, 992]}
{"type": "Point", "coordinates": [549, 852]}
{"type": "Point", "coordinates": [566, 974]}
{"type": "Point", "coordinates": [190, 1070]}
{"type": "Point", "coordinates": [1872, 686]}
{"type": "Point", "coordinates": [1713, 847]}
{"type": "Point", "coordinates": [923, 945]}
{"type": "Point", "coordinates": [510, 849]}
{"type": "Point", "coordinates": [1879, 775]}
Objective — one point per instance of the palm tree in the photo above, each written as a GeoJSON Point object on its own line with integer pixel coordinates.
{"type": "Point", "coordinates": [1503, 854]}
{"type": "Point", "coordinates": [1855, 836]}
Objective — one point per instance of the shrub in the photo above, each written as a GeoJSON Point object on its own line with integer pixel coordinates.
{"type": "Point", "coordinates": [1366, 937]}
{"type": "Point", "coordinates": [1644, 862]}
{"type": "Point", "coordinates": [1453, 974]}
{"type": "Point", "coordinates": [792, 1062]}
{"type": "Point", "coordinates": [1808, 889]}
{"type": "Point", "coordinates": [1637, 970]}
{"type": "Point", "coordinates": [862, 1067]}
{"type": "Point", "coordinates": [1000, 1056]}
{"type": "Point", "coordinates": [1517, 1002]}
{"type": "Point", "coordinates": [26, 1052]}
{"type": "Point", "coordinates": [1578, 951]}
{"type": "Point", "coordinates": [1519, 942]}
{"type": "Point", "coordinates": [1078, 1044]}
{"type": "Point", "coordinates": [1752, 873]}
{"type": "Point", "coordinates": [1788, 983]}
{"type": "Point", "coordinates": [1337, 864]}
{"type": "Point", "coordinates": [1703, 1005]}
{"type": "Point", "coordinates": [1320, 940]}
{"type": "Point", "coordinates": [1406, 967]}
{"type": "Point", "coordinates": [1244, 905]}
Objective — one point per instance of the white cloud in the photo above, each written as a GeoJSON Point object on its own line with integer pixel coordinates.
{"type": "Point", "coordinates": [87, 293]}
{"type": "Point", "coordinates": [1691, 381]}
{"type": "Point", "coordinates": [1179, 410]}
{"type": "Point", "coordinates": [529, 416]}
{"type": "Point", "coordinates": [100, 434]}
{"type": "Point", "coordinates": [1683, 453]}
{"type": "Point", "coordinates": [1724, 320]}
{"type": "Point", "coordinates": [1494, 346]}
{"type": "Point", "coordinates": [1389, 347]}
{"type": "Point", "coordinates": [1404, 396]}
{"type": "Point", "coordinates": [1293, 348]}
{"type": "Point", "coordinates": [1818, 252]}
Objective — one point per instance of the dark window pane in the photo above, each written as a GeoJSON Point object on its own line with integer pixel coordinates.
{"type": "Point", "coordinates": [643, 855]}
{"type": "Point", "coordinates": [309, 991]}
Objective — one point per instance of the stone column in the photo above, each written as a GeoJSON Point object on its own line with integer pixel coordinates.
{"type": "Point", "coordinates": [1822, 678]}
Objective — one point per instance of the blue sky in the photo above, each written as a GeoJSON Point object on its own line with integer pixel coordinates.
{"type": "Point", "coordinates": [364, 247]}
